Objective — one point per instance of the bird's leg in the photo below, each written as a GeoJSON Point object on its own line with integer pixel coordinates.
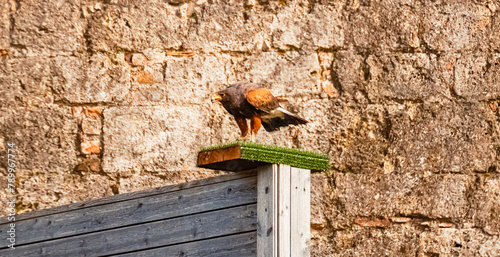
{"type": "Point", "coordinates": [243, 125]}
{"type": "Point", "coordinates": [255, 123]}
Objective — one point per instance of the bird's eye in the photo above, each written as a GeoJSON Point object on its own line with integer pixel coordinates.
{"type": "Point", "coordinates": [222, 94]}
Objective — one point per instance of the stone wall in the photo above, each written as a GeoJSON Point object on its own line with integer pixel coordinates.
{"type": "Point", "coordinates": [108, 97]}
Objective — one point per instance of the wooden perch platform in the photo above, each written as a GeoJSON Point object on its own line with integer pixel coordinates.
{"type": "Point", "coordinates": [239, 156]}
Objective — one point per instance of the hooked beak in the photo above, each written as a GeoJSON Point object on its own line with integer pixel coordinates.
{"type": "Point", "coordinates": [216, 98]}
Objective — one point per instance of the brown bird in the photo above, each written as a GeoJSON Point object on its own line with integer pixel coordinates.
{"type": "Point", "coordinates": [245, 100]}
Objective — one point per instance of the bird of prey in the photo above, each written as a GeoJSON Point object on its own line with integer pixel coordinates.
{"type": "Point", "coordinates": [245, 100]}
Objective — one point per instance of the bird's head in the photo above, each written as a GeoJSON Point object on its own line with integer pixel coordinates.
{"type": "Point", "coordinates": [220, 96]}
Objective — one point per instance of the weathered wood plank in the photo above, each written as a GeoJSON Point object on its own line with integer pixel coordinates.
{"type": "Point", "coordinates": [300, 212]}
{"type": "Point", "coordinates": [146, 209]}
{"type": "Point", "coordinates": [282, 205]}
{"type": "Point", "coordinates": [274, 210]}
{"type": "Point", "coordinates": [155, 234]}
{"type": "Point", "coordinates": [266, 218]}
{"type": "Point", "coordinates": [241, 245]}
{"type": "Point", "coordinates": [129, 196]}
{"type": "Point", "coordinates": [218, 155]}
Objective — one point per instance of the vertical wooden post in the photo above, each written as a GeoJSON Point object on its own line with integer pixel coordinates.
{"type": "Point", "coordinates": [300, 212]}
{"type": "Point", "coordinates": [283, 211]}
{"type": "Point", "coordinates": [266, 185]}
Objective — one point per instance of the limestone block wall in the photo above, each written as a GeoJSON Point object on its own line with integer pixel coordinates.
{"type": "Point", "coordinates": [108, 97]}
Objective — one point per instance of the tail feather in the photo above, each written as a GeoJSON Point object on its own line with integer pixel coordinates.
{"type": "Point", "coordinates": [292, 118]}
{"type": "Point", "coordinates": [281, 118]}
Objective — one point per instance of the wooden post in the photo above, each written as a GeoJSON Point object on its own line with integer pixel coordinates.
{"type": "Point", "coordinates": [283, 192]}
{"type": "Point", "coordinates": [283, 211]}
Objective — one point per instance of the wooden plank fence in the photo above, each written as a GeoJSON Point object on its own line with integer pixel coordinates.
{"type": "Point", "coordinates": [211, 217]}
{"type": "Point", "coordinates": [260, 212]}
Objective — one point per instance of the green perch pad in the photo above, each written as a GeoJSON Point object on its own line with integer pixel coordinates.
{"type": "Point", "coordinates": [238, 156]}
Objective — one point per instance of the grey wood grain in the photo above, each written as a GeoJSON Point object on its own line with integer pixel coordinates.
{"type": "Point", "coordinates": [154, 234]}
{"type": "Point", "coordinates": [282, 205]}
{"type": "Point", "coordinates": [129, 196]}
{"type": "Point", "coordinates": [240, 245]}
{"type": "Point", "coordinates": [300, 212]}
{"type": "Point", "coordinates": [266, 186]}
{"type": "Point", "coordinates": [139, 210]}
{"type": "Point", "coordinates": [283, 211]}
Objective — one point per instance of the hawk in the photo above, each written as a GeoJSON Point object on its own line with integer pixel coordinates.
{"type": "Point", "coordinates": [245, 100]}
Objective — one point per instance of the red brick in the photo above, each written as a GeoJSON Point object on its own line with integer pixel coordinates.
{"type": "Point", "coordinates": [93, 111]}
{"type": "Point", "coordinates": [91, 147]}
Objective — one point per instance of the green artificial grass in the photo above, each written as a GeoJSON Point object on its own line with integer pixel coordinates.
{"type": "Point", "coordinates": [280, 155]}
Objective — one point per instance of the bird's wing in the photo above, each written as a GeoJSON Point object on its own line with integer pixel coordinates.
{"type": "Point", "coordinates": [262, 99]}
